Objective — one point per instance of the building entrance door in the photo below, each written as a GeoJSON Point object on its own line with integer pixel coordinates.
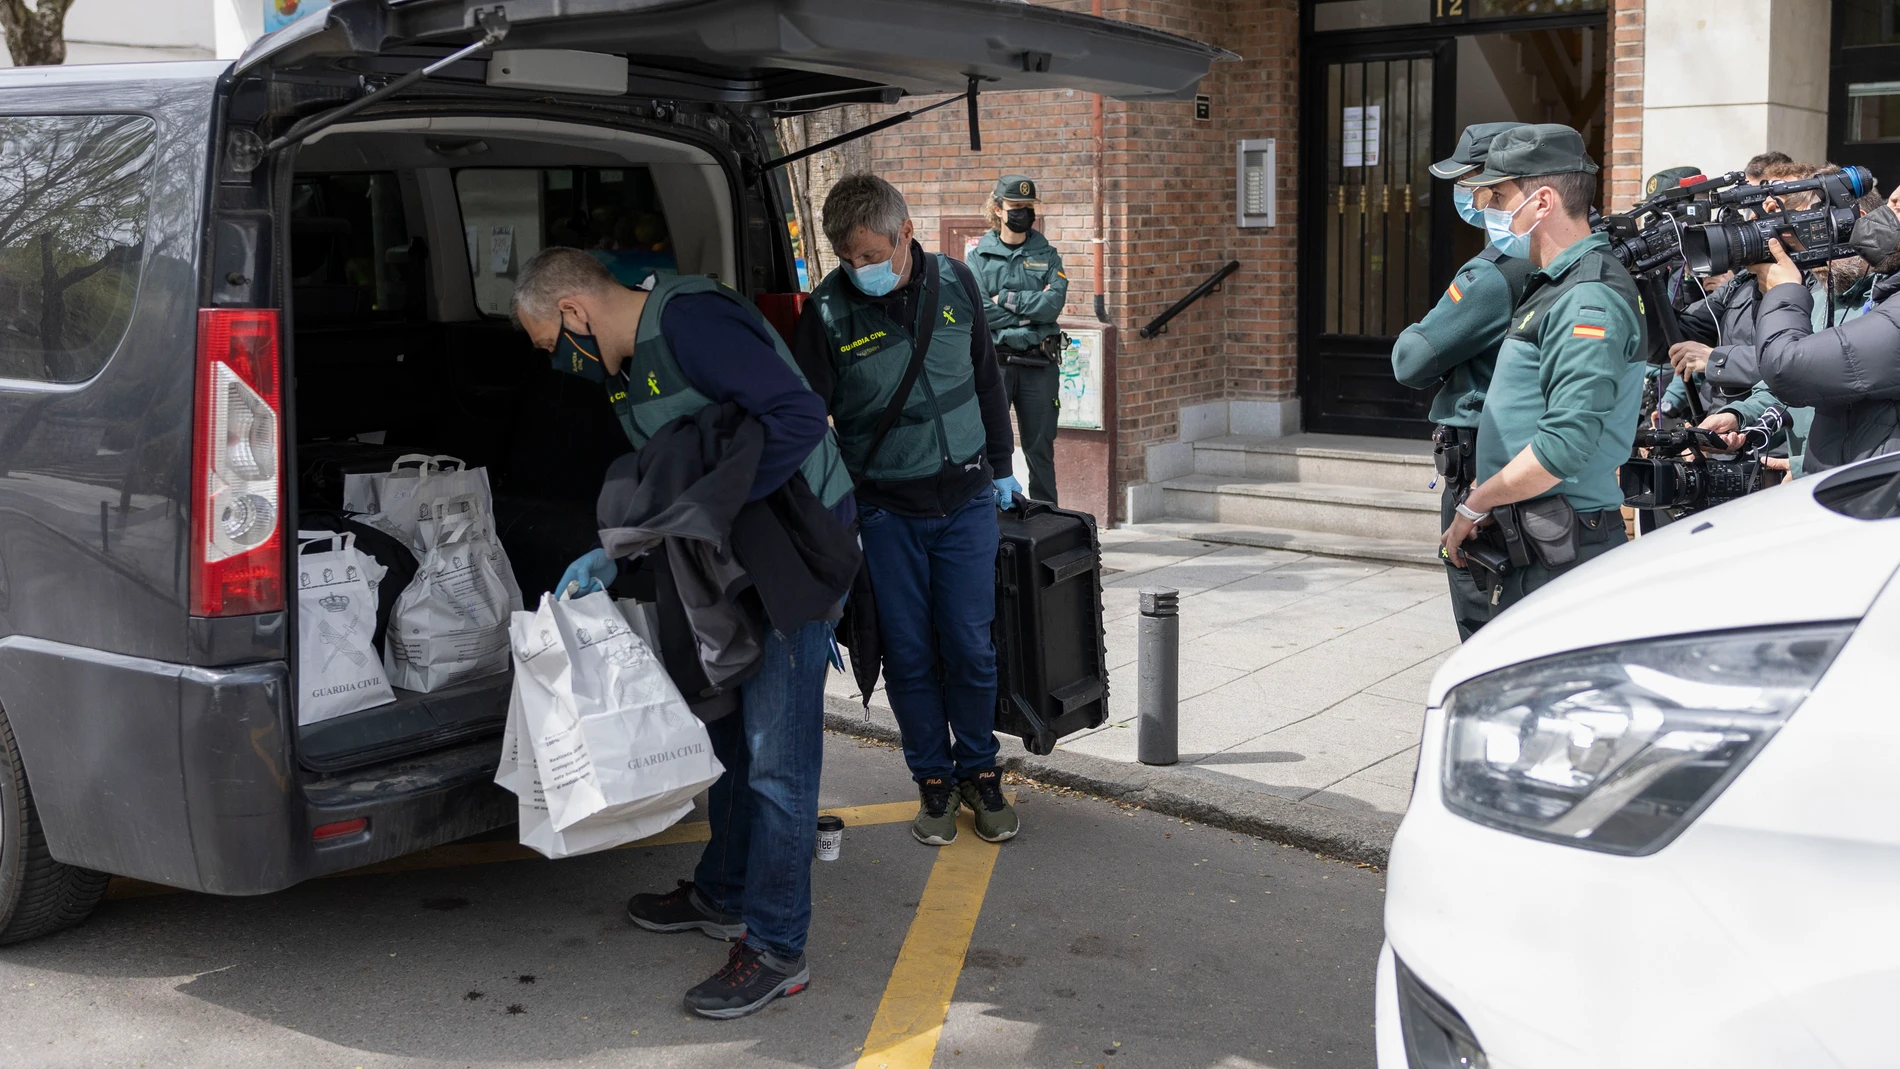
{"type": "Point", "coordinates": [1386, 85]}
{"type": "Point", "coordinates": [1376, 253]}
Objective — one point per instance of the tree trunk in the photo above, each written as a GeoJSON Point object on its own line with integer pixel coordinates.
{"type": "Point", "coordinates": [52, 314]}
{"type": "Point", "coordinates": [35, 36]}
{"type": "Point", "coordinates": [792, 136]}
{"type": "Point", "coordinates": [813, 176]}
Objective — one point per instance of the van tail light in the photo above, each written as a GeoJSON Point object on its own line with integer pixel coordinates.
{"type": "Point", "coordinates": [782, 311]}
{"type": "Point", "coordinates": [237, 562]}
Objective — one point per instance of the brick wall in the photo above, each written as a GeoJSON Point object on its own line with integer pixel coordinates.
{"type": "Point", "coordinates": [1624, 183]}
{"type": "Point", "coordinates": [1168, 212]}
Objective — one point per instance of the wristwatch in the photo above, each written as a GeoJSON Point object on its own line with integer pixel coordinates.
{"type": "Point", "coordinates": [1470, 513]}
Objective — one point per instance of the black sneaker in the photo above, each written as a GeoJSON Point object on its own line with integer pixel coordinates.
{"type": "Point", "coordinates": [682, 910]}
{"type": "Point", "coordinates": [750, 978]}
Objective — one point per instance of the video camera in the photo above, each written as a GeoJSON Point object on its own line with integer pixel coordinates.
{"type": "Point", "coordinates": [1648, 239]}
{"type": "Point", "coordinates": [1688, 469]}
{"type": "Point", "coordinates": [1739, 233]}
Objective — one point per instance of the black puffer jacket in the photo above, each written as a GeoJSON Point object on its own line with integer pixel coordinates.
{"type": "Point", "coordinates": [1723, 320]}
{"type": "Point", "coordinates": [1849, 374]}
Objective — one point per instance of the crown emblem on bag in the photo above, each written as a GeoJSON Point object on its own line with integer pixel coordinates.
{"type": "Point", "coordinates": [334, 602]}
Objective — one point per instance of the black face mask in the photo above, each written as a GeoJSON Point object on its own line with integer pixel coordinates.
{"type": "Point", "coordinates": [578, 354]}
{"type": "Point", "coordinates": [1019, 220]}
{"type": "Point", "coordinates": [1876, 235]}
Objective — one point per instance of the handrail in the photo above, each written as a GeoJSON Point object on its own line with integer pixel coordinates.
{"type": "Point", "coordinates": [1159, 324]}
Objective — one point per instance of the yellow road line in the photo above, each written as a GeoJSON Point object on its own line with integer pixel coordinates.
{"type": "Point", "coordinates": [456, 855]}
{"type": "Point", "coordinates": [910, 1017]}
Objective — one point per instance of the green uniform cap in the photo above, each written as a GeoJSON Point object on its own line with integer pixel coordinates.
{"type": "Point", "coordinates": [1547, 148]}
{"type": "Point", "coordinates": [1015, 187]}
{"type": "Point", "coordinates": [1669, 179]}
{"type": "Point", "coordinates": [1473, 145]}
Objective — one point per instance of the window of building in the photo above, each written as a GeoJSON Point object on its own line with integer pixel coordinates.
{"type": "Point", "coordinates": [1510, 9]}
{"type": "Point", "coordinates": [1873, 112]}
{"type": "Point", "coordinates": [509, 214]}
{"type": "Point", "coordinates": [1870, 22]}
{"type": "Point", "coordinates": [1370, 14]}
{"type": "Point", "coordinates": [351, 255]}
{"type": "Point", "coordinates": [74, 191]}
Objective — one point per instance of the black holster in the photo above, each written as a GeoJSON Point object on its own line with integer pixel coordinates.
{"type": "Point", "coordinates": [1455, 456]}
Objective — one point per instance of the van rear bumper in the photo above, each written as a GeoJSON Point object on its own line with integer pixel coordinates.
{"type": "Point", "coordinates": [187, 776]}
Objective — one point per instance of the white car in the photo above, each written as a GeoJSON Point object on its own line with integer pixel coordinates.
{"type": "Point", "coordinates": [1657, 815]}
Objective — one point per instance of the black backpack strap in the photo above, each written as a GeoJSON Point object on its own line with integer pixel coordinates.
{"type": "Point", "coordinates": [1516, 270]}
{"type": "Point", "coordinates": [920, 345]}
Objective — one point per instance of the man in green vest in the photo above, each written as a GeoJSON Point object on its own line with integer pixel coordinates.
{"type": "Point", "coordinates": [1021, 277]}
{"type": "Point", "coordinates": [658, 355]}
{"type": "Point", "coordinates": [895, 340]}
{"type": "Point", "coordinates": [1564, 401]}
{"type": "Point", "coordinates": [1454, 348]}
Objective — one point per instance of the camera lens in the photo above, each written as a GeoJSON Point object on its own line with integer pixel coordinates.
{"type": "Point", "coordinates": [1719, 248]}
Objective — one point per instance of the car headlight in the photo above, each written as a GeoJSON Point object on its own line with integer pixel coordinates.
{"type": "Point", "coordinates": [1618, 748]}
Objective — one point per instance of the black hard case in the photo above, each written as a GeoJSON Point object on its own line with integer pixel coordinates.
{"type": "Point", "coordinates": [1051, 657]}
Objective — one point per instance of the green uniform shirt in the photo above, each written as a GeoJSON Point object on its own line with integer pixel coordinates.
{"type": "Point", "coordinates": [1569, 377]}
{"type": "Point", "coordinates": [1025, 286]}
{"type": "Point", "coordinates": [1457, 341]}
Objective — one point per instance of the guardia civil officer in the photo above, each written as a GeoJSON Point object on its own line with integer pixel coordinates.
{"type": "Point", "coordinates": [894, 340]}
{"type": "Point", "coordinates": [1021, 276]}
{"type": "Point", "coordinates": [1454, 348]}
{"type": "Point", "coordinates": [1562, 410]}
{"type": "Point", "coordinates": [658, 355]}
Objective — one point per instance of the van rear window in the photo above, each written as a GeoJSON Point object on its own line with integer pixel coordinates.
{"type": "Point", "coordinates": [509, 214]}
{"type": "Point", "coordinates": [74, 192]}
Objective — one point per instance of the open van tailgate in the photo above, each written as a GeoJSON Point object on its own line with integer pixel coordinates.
{"type": "Point", "coordinates": [776, 46]}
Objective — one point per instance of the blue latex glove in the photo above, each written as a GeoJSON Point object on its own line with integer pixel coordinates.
{"type": "Point", "coordinates": [594, 571]}
{"type": "Point", "coordinates": [1006, 490]}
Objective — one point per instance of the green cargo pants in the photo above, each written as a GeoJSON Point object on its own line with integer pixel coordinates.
{"type": "Point", "coordinates": [1034, 392]}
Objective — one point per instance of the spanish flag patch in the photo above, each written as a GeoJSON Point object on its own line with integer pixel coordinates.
{"type": "Point", "coordinates": [1585, 330]}
{"type": "Point", "coordinates": [1455, 293]}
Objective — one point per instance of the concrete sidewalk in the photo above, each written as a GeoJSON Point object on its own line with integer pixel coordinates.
{"type": "Point", "coordinates": [1303, 684]}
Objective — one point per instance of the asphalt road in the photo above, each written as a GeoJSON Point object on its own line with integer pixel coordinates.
{"type": "Point", "coordinates": [1107, 937]}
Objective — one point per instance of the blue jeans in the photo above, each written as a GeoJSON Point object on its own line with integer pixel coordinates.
{"type": "Point", "coordinates": [764, 810]}
{"type": "Point", "coordinates": [935, 581]}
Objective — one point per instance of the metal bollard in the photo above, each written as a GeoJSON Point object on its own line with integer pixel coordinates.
{"type": "Point", "coordinates": [1158, 736]}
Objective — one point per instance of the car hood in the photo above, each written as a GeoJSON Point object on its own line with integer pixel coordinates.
{"type": "Point", "coordinates": [1775, 557]}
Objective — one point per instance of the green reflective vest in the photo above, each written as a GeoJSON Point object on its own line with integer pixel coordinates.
{"type": "Point", "coordinates": [650, 391]}
{"type": "Point", "coordinates": [940, 423]}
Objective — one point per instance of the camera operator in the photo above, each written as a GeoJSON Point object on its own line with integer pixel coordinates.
{"type": "Point", "coordinates": [1849, 374]}
{"type": "Point", "coordinates": [1561, 413]}
{"type": "Point", "coordinates": [1731, 311]}
{"type": "Point", "coordinates": [1455, 348]}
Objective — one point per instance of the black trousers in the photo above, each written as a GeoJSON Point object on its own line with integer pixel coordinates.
{"type": "Point", "coordinates": [1034, 391]}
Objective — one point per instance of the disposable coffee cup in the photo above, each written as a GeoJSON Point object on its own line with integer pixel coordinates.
{"type": "Point", "coordinates": [830, 838]}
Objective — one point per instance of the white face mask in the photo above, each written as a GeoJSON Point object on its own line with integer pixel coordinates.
{"type": "Point", "coordinates": [1461, 199]}
{"type": "Point", "coordinates": [1497, 222]}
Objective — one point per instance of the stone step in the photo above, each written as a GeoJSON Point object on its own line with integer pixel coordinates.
{"type": "Point", "coordinates": [1337, 459]}
{"type": "Point", "coordinates": [1319, 543]}
{"type": "Point", "coordinates": [1330, 508]}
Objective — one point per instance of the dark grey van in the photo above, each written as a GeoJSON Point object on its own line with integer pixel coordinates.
{"type": "Point", "coordinates": [219, 283]}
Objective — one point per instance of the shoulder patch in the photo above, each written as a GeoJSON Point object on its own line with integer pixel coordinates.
{"type": "Point", "coordinates": [1586, 330]}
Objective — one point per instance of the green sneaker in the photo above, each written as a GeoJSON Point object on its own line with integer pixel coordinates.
{"type": "Point", "coordinates": [936, 823]}
{"type": "Point", "coordinates": [995, 817]}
